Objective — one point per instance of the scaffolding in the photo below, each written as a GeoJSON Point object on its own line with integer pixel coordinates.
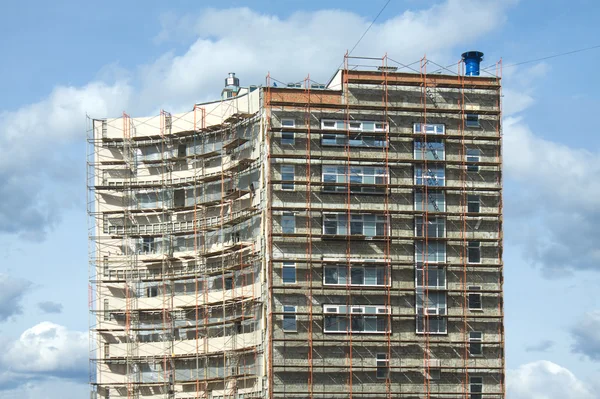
{"type": "Point", "coordinates": [175, 299]}
{"type": "Point", "coordinates": [303, 241]}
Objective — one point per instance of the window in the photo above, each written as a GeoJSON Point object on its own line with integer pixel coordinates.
{"type": "Point", "coordinates": [364, 126]}
{"type": "Point", "coordinates": [435, 373]}
{"type": "Point", "coordinates": [360, 319]}
{"type": "Point", "coordinates": [181, 150]}
{"type": "Point", "coordinates": [288, 273]}
{"type": "Point", "coordinates": [430, 276]}
{"type": "Point", "coordinates": [474, 252]}
{"type": "Point", "coordinates": [433, 176]}
{"type": "Point", "coordinates": [475, 343]}
{"type": "Point", "coordinates": [473, 156]}
{"type": "Point", "coordinates": [473, 203]}
{"type": "Point", "coordinates": [434, 201]}
{"type": "Point", "coordinates": [148, 245]}
{"type": "Point", "coordinates": [475, 387]}
{"type": "Point", "coordinates": [106, 310]}
{"type": "Point", "coordinates": [287, 175]}
{"type": "Point", "coordinates": [152, 291]}
{"type": "Point", "coordinates": [359, 275]}
{"type": "Point", "coordinates": [475, 302]}
{"type": "Point", "coordinates": [472, 120]}
{"type": "Point", "coordinates": [289, 319]}
{"type": "Point", "coordinates": [287, 138]}
{"type": "Point", "coordinates": [288, 223]}
{"type": "Point", "coordinates": [432, 150]}
{"type": "Point", "coordinates": [105, 263]}
{"type": "Point", "coordinates": [228, 283]}
{"type": "Point", "coordinates": [354, 140]}
{"type": "Point", "coordinates": [429, 128]}
{"type": "Point", "coordinates": [364, 224]}
{"type": "Point", "coordinates": [383, 363]}
{"type": "Point", "coordinates": [434, 228]}
{"type": "Point", "coordinates": [106, 351]}
{"type": "Point", "coordinates": [434, 252]}
{"type": "Point", "coordinates": [356, 175]}
{"type": "Point", "coordinates": [431, 309]}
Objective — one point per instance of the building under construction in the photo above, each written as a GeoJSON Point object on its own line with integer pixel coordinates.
{"type": "Point", "coordinates": [303, 240]}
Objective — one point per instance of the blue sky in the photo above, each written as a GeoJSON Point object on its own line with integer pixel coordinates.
{"type": "Point", "coordinates": [64, 59]}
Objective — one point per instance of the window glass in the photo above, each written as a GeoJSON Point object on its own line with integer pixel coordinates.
{"type": "Point", "coordinates": [434, 201]}
{"type": "Point", "coordinates": [289, 273]}
{"type": "Point", "coordinates": [287, 174]}
{"type": "Point", "coordinates": [432, 176]}
{"type": "Point", "coordinates": [473, 203]}
{"type": "Point", "coordinates": [287, 137]}
{"type": "Point", "coordinates": [288, 223]}
{"type": "Point", "coordinates": [431, 150]}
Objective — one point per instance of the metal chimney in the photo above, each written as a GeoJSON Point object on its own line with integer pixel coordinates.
{"type": "Point", "coordinates": [472, 61]}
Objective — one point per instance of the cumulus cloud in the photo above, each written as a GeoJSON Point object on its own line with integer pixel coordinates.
{"type": "Point", "coordinates": [12, 291]}
{"type": "Point", "coordinates": [559, 231]}
{"type": "Point", "coordinates": [37, 173]}
{"type": "Point", "coordinates": [586, 336]}
{"type": "Point", "coordinates": [37, 142]}
{"type": "Point", "coordinates": [48, 349]}
{"type": "Point", "coordinates": [50, 307]}
{"type": "Point", "coordinates": [546, 380]}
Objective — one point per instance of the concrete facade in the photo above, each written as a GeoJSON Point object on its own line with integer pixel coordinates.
{"type": "Point", "coordinates": [343, 242]}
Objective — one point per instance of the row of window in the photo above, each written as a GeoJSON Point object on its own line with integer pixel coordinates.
{"type": "Point", "coordinates": [375, 320]}
{"type": "Point", "coordinates": [432, 176]}
{"type": "Point", "coordinates": [471, 120]}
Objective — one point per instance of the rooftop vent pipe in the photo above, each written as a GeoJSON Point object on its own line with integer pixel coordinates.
{"type": "Point", "coordinates": [472, 61]}
{"type": "Point", "coordinates": [231, 80]}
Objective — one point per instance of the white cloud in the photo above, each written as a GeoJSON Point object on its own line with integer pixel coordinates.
{"type": "Point", "coordinates": [37, 174]}
{"type": "Point", "coordinates": [52, 388]}
{"type": "Point", "coordinates": [48, 349]}
{"type": "Point", "coordinates": [560, 229]}
{"type": "Point", "coordinates": [586, 336]}
{"type": "Point", "coordinates": [546, 380]}
{"type": "Point", "coordinates": [12, 291]}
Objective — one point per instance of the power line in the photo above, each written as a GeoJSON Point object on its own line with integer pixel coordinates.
{"type": "Point", "coordinates": [364, 34]}
{"type": "Point", "coordinates": [545, 58]}
{"type": "Point", "coordinates": [367, 30]}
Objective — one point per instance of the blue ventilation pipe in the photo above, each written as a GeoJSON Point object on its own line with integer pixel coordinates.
{"type": "Point", "coordinates": [472, 60]}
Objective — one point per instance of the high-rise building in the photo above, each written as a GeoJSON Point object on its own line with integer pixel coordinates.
{"type": "Point", "coordinates": [303, 241]}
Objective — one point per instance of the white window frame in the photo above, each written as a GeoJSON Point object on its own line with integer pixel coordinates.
{"type": "Point", "coordinates": [427, 257]}
{"type": "Point", "coordinates": [287, 311]}
{"type": "Point", "coordinates": [348, 224]}
{"type": "Point", "coordinates": [347, 311]}
{"type": "Point", "coordinates": [434, 222]}
{"type": "Point", "coordinates": [418, 281]}
{"type": "Point", "coordinates": [418, 153]}
{"type": "Point", "coordinates": [440, 179]}
{"type": "Point", "coordinates": [478, 247]}
{"type": "Point", "coordinates": [288, 216]}
{"type": "Point", "coordinates": [288, 185]}
{"type": "Point", "coordinates": [431, 194]}
{"type": "Point", "coordinates": [283, 122]}
{"type": "Point", "coordinates": [342, 173]}
{"type": "Point", "coordinates": [288, 265]}
{"type": "Point", "coordinates": [473, 158]}
{"type": "Point", "coordinates": [349, 278]}
{"type": "Point", "coordinates": [288, 125]}
{"type": "Point", "coordinates": [382, 361]}
{"type": "Point", "coordinates": [476, 338]}
{"type": "Point", "coordinates": [475, 290]}
{"type": "Point", "coordinates": [429, 128]}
